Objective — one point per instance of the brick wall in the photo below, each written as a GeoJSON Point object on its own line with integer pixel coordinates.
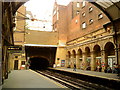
{"type": "Point", "coordinates": [76, 30]}
{"type": "Point", "coordinates": [41, 37]}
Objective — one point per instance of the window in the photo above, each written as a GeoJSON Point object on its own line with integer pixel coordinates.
{"type": "Point", "coordinates": [100, 16]}
{"type": "Point", "coordinates": [78, 12]}
{"type": "Point", "coordinates": [90, 21]}
{"type": "Point", "coordinates": [84, 25]}
{"type": "Point", "coordinates": [54, 12]}
{"type": "Point", "coordinates": [83, 4]}
{"type": "Point", "coordinates": [90, 9]}
{"type": "Point", "coordinates": [83, 14]}
{"type": "Point", "coordinates": [78, 4]}
{"type": "Point", "coordinates": [76, 21]}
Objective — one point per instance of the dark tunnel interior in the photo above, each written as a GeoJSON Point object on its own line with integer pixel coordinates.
{"type": "Point", "coordinates": [37, 63]}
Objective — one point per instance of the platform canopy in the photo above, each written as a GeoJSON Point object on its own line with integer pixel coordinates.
{"type": "Point", "coordinates": [110, 7]}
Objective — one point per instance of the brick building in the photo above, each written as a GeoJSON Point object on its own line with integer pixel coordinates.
{"type": "Point", "coordinates": [87, 43]}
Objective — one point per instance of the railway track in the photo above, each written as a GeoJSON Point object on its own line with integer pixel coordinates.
{"type": "Point", "coordinates": [72, 82]}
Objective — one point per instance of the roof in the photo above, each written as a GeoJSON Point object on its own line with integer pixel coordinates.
{"type": "Point", "coordinates": [106, 3]}
{"type": "Point", "coordinates": [110, 7]}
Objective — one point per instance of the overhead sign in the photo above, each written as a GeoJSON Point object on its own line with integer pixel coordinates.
{"type": "Point", "coordinates": [15, 49]}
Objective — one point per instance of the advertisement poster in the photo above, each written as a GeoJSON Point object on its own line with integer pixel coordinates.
{"type": "Point", "coordinates": [62, 63]}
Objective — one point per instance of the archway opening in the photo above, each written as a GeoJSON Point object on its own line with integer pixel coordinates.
{"type": "Point", "coordinates": [68, 61]}
{"type": "Point", "coordinates": [109, 49]}
{"type": "Point", "coordinates": [110, 54]}
{"type": "Point", "coordinates": [79, 61]}
{"type": "Point", "coordinates": [74, 56]}
{"type": "Point", "coordinates": [97, 61]}
{"type": "Point", "coordinates": [37, 63]}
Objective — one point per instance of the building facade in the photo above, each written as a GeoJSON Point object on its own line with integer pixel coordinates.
{"type": "Point", "coordinates": [89, 44]}
{"type": "Point", "coordinates": [8, 24]}
{"type": "Point", "coordinates": [18, 59]}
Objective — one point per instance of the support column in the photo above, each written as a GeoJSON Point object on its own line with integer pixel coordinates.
{"type": "Point", "coordinates": [77, 61]}
{"type": "Point", "coordinates": [10, 62]}
{"type": "Point", "coordinates": [103, 58]}
{"type": "Point", "coordinates": [84, 62]}
{"type": "Point", "coordinates": [93, 61]}
{"type": "Point", "coordinates": [72, 61]}
{"type": "Point", "coordinates": [117, 55]}
{"type": "Point", "coordinates": [67, 61]}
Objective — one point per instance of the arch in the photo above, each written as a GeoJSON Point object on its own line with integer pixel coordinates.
{"type": "Point", "coordinates": [87, 51]}
{"type": "Point", "coordinates": [79, 59]}
{"type": "Point", "coordinates": [38, 63]}
{"type": "Point", "coordinates": [88, 58]}
{"type": "Point", "coordinates": [74, 53]}
{"type": "Point", "coordinates": [97, 50]}
{"type": "Point", "coordinates": [68, 61]}
{"type": "Point", "coordinates": [69, 54]}
{"type": "Point", "coordinates": [110, 54]}
{"type": "Point", "coordinates": [19, 4]}
{"type": "Point", "coordinates": [98, 59]}
{"type": "Point", "coordinates": [109, 48]}
{"type": "Point", "coordinates": [79, 52]}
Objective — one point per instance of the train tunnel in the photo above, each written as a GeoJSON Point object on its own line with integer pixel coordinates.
{"type": "Point", "coordinates": [37, 63]}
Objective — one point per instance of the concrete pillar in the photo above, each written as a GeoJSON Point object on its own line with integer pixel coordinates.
{"type": "Point", "coordinates": [93, 61]}
{"type": "Point", "coordinates": [117, 56]}
{"type": "Point", "coordinates": [72, 61]}
{"type": "Point", "coordinates": [10, 61]}
{"type": "Point", "coordinates": [78, 61]}
{"type": "Point", "coordinates": [103, 58]}
{"type": "Point", "coordinates": [84, 62]}
{"type": "Point", "coordinates": [67, 61]}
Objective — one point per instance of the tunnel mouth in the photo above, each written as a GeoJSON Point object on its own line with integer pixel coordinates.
{"type": "Point", "coordinates": [38, 63]}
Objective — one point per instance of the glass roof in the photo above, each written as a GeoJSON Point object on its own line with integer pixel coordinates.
{"type": "Point", "coordinates": [106, 3]}
{"type": "Point", "coordinates": [110, 7]}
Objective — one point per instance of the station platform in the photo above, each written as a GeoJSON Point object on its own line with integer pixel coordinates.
{"type": "Point", "coordinates": [27, 79]}
{"type": "Point", "coordinates": [111, 76]}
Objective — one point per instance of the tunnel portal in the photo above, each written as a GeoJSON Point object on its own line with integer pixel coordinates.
{"type": "Point", "coordinates": [38, 63]}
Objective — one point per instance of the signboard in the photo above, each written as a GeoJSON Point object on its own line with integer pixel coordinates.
{"type": "Point", "coordinates": [111, 61]}
{"type": "Point", "coordinates": [88, 59]}
{"type": "Point", "coordinates": [62, 63]}
{"type": "Point", "coordinates": [15, 49]}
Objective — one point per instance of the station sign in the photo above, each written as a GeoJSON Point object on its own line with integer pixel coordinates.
{"type": "Point", "coordinates": [15, 49]}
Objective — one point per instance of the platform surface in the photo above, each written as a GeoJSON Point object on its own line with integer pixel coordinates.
{"type": "Point", "coordinates": [29, 79]}
{"type": "Point", "coordinates": [112, 76]}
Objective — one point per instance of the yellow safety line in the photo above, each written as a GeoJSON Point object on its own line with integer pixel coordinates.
{"type": "Point", "coordinates": [48, 79]}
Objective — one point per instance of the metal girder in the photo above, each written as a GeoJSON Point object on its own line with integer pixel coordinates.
{"type": "Point", "coordinates": [17, 6]}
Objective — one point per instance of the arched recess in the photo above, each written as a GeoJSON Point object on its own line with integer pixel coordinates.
{"type": "Point", "coordinates": [73, 58]}
{"type": "Point", "coordinates": [88, 58]}
{"type": "Point", "coordinates": [97, 54]}
{"type": "Point", "coordinates": [110, 54]}
{"type": "Point", "coordinates": [79, 59]}
{"type": "Point", "coordinates": [68, 59]}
